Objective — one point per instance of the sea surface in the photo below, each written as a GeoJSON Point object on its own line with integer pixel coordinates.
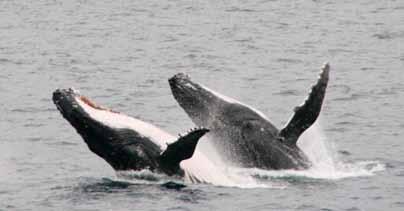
{"type": "Point", "coordinates": [264, 53]}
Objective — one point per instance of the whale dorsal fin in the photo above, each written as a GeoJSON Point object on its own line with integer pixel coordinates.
{"type": "Point", "coordinates": [306, 114]}
{"type": "Point", "coordinates": [180, 150]}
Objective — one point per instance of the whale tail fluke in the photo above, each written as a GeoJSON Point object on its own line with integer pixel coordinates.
{"type": "Point", "coordinates": [306, 114]}
{"type": "Point", "coordinates": [181, 149]}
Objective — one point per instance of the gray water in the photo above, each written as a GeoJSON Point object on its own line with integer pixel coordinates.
{"type": "Point", "coordinates": [264, 53]}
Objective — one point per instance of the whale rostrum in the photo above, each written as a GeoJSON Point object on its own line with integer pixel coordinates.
{"type": "Point", "coordinates": [243, 135]}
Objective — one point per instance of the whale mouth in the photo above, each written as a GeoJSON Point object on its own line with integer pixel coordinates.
{"type": "Point", "coordinates": [82, 112]}
{"type": "Point", "coordinates": [92, 104]}
{"type": "Point", "coordinates": [70, 99]}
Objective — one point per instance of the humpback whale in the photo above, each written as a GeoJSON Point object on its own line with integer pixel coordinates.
{"type": "Point", "coordinates": [244, 136]}
{"type": "Point", "coordinates": [127, 143]}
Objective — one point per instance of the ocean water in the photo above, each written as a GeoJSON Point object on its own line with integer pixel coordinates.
{"type": "Point", "coordinates": [264, 53]}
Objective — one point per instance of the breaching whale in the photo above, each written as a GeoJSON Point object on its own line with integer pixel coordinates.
{"type": "Point", "coordinates": [127, 143]}
{"type": "Point", "coordinates": [243, 135]}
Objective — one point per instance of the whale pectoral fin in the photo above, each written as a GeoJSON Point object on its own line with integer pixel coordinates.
{"type": "Point", "coordinates": [180, 150]}
{"type": "Point", "coordinates": [306, 114]}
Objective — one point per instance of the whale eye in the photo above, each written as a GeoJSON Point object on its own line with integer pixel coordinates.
{"type": "Point", "coordinates": [248, 125]}
{"type": "Point", "coordinates": [248, 129]}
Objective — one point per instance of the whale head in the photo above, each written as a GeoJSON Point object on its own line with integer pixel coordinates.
{"type": "Point", "coordinates": [196, 100]}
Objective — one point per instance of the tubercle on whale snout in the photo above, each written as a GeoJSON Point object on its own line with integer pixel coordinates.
{"type": "Point", "coordinates": [179, 80]}
{"type": "Point", "coordinates": [179, 76]}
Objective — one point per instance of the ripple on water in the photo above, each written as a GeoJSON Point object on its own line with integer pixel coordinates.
{"type": "Point", "coordinates": [399, 204]}
{"type": "Point", "coordinates": [353, 209]}
{"type": "Point", "coordinates": [288, 93]}
{"type": "Point", "coordinates": [31, 110]}
{"type": "Point", "coordinates": [307, 207]}
{"type": "Point", "coordinates": [178, 208]}
{"type": "Point", "coordinates": [389, 35]}
{"type": "Point", "coordinates": [33, 125]}
{"type": "Point", "coordinates": [289, 60]}
{"type": "Point", "coordinates": [352, 97]}
{"type": "Point", "coordinates": [345, 123]}
{"type": "Point", "coordinates": [238, 9]}
{"type": "Point", "coordinates": [92, 188]}
{"type": "Point", "coordinates": [34, 139]}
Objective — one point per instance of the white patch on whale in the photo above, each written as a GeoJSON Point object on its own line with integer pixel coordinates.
{"type": "Point", "coordinates": [117, 120]}
{"type": "Point", "coordinates": [234, 101]}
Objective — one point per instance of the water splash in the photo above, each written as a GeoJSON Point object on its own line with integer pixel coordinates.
{"type": "Point", "coordinates": [230, 176]}
{"type": "Point", "coordinates": [321, 152]}
{"type": "Point", "coordinates": [326, 163]}
{"type": "Point", "coordinates": [145, 177]}
{"type": "Point", "coordinates": [325, 160]}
